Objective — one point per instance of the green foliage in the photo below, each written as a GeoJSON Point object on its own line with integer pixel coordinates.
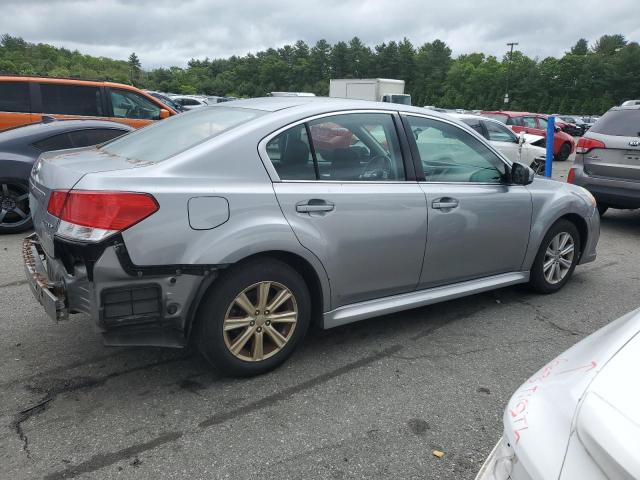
{"type": "Point", "coordinates": [584, 80]}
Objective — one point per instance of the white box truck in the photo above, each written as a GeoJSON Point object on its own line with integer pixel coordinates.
{"type": "Point", "coordinates": [375, 89]}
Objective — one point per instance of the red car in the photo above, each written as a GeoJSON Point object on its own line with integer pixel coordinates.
{"type": "Point", "coordinates": [536, 124]}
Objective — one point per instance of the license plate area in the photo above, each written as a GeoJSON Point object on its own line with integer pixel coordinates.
{"type": "Point", "coordinates": [49, 294]}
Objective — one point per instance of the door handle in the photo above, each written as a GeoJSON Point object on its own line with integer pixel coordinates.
{"type": "Point", "coordinates": [444, 203]}
{"type": "Point", "coordinates": [314, 206]}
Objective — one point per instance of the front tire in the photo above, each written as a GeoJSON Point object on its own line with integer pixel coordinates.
{"type": "Point", "coordinates": [557, 258]}
{"type": "Point", "coordinates": [564, 152]}
{"type": "Point", "coordinates": [253, 318]}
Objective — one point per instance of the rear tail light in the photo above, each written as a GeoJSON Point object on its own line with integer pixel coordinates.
{"type": "Point", "coordinates": [94, 215]}
{"type": "Point", "coordinates": [571, 175]}
{"type": "Point", "coordinates": [587, 144]}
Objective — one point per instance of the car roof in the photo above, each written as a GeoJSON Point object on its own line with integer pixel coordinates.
{"type": "Point", "coordinates": [313, 105]}
{"type": "Point", "coordinates": [34, 131]}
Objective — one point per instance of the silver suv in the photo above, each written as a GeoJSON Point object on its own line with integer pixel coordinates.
{"type": "Point", "coordinates": [239, 225]}
{"type": "Point", "coordinates": [608, 159]}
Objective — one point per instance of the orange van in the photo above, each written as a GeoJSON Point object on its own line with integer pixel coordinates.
{"type": "Point", "coordinates": [25, 100]}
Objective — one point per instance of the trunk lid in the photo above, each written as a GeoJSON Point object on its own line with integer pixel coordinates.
{"type": "Point", "coordinates": [62, 170]}
{"type": "Point", "coordinates": [619, 160]}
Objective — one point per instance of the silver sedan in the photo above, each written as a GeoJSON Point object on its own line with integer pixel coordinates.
{"type": "Point", "coordinates": [239, 225]}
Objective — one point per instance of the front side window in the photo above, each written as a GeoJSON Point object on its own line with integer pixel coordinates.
{"type": "Point", "coordinates": [543, 123]}
{"type": "Point", "coordinates": [449, 154]}
{"type": "Point", "coordinates": [131, 105]}
{"type": "Point", "coordinates": [475, 124]}
{"type": "Point", "coordinates": [14, 97]}
{"type": "Point", "coordinates": [529, 122]}
{"type": "Point", "coordinates": [174, 135]}
{"type": "Point", "coordinates": [498, 133]}
{"type": "Point", "coordinates": [71, 100]}
{"type": "Point", "coordinates": [360, 147]}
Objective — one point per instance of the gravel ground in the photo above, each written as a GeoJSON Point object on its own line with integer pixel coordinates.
{"type": "Point", "coordinates": [369, 400]}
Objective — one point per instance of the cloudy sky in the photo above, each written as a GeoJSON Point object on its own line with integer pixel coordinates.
{"type": "Point", "coordinates": [165, 33]}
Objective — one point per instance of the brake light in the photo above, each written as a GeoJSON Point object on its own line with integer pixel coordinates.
{"type": "Point", "coordinates": [94, 215]}
{"type": "Point", "coordinates": [587, 144]}
{"type": "Point", "coordinates": [571, 175]}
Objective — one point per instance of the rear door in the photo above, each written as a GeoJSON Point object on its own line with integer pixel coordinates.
{"type": "Point", "coordinates": [15, 104]}
{"type": "Point", "coordinates": [619, 130]}
{"type": "Point", "coordinates": [478, 224]}
{"type": "Point", "coordinates": [351, 199]}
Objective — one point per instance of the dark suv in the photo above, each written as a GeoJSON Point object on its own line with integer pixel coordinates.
{"type": "Point", "coordinates": [608, 159]}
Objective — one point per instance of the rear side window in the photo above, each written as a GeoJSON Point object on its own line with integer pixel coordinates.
{"type": "Point", "coordinates": [14, 97]}
{"type": "Point", "coordinates": [358, 147]}
{"type": "Point", "coordinates": [78, 138]}
{"type": "Point", "coordinates": [94, 136]}
{"type": "Point", "coordinates": [131, 105]}
{"type": "Point", "coordinates": [623, 123]}
{"type": "Point", "coordinates": [169, 137]}
{"type": "Point", "coordinates": [71, 100]}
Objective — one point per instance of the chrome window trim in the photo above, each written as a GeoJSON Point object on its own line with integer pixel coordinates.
{"type": "Point", "coordinates": [273, 174]}
{"type": "Point", "coordinates": [467, 129]}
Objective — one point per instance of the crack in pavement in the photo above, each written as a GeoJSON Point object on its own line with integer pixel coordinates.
{"type": "Point", "coordinates": [65, 386]}
{"type": "Point", "coordinates": [541, 316]}
{"type": "Point", "coordinates": [15, 283]}
{"type": "Point", "coordinates": [104, 460]}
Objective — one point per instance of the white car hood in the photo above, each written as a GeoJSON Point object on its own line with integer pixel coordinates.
{"type": "Point", "coordinates": [542, 414]}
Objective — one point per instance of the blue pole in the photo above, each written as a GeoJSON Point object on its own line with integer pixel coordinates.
{"type": "Point", "coordinates": [551, 131]}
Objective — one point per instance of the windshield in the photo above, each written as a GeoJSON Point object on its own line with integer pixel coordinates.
{"type": "Point", "coordinates": [177, 134]}
{"type": "Point", "coordinates": [623, 123]}
{"type": "Point", "coordinates": [402, 99]}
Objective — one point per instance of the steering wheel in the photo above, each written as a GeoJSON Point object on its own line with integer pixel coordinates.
{"type": "Point", "coordinates": [378, 168]}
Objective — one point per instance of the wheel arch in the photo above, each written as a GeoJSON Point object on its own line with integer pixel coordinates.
{"type": "Point", "coordinates": [583, 229]}
{"type": "Point", "coordinates": [317, 286]}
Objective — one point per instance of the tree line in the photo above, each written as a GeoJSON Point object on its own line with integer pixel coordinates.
{"type": "Point", "coordinates": [586, 79]}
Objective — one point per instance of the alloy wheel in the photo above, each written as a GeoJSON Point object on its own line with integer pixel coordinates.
{"type": "Point", "coordinates": [558, 258]}
{"type": "Point", "coordinates": [260, 321]}
{"type": "Point", "coordinates": [14, 205]}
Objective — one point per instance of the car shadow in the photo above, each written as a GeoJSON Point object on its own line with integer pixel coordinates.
{"type": "Point", "coordinates": [622, 221]}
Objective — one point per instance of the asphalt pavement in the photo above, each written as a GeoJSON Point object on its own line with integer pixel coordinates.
{"type": "Point", "coordinates": [368, 400]}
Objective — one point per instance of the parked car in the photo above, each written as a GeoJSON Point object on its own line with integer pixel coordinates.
{"type": "Point", "coordinates": [536, 124]}
{"type": "Point", "coordinates": [25, 100]}
{"type": "Point", "coordinates": [228, 226]}
{"type": "Point", "coordinates": [568, 127]}
{"type": "Point", "coordinates": [21, 146]}
{"type": "Point", "coordinates": [590, 121]}
{"type": "Point", "coordinates": [502, 138]}
{"type": "Point", "coordinates": [577, 121]}
{"type": "Point", "coordinates": [166, 100]}
{"type": "Point", "coordinates": [577, 417]}
{"type": "Point", "coordinates": [190, 102]}
{"type": "Point", "coordinates": [608, 157]}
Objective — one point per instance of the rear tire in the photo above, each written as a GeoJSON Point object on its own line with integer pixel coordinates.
{"type": "Point", "coordinates": [15, 215]}
{"type": "Point", "coordinates": [563, 153]}
{"type": "Point", "coordinates": [552, 268]}
{"type": "Point", "coordinates": [242, 328]}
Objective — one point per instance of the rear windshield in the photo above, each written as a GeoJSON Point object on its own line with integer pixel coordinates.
{"type": "Point", "coordinates": [496, 116]}
{"type": "Point", "coordinates": [623, 123]}
{"type": "Point", "coordinates": [169, 137]}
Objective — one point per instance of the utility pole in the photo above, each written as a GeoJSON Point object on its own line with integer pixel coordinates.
{"type": "Point", "coordinates": [506, 95]}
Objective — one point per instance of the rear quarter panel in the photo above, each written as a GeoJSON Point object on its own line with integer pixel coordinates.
{"type": "Point", "coordinates": [227, 166]}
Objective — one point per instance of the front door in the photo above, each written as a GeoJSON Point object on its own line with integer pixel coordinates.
{"type": "Point", "coordinates": [344, 190]}
{"type": "Point", "coordinates": [478, 223]}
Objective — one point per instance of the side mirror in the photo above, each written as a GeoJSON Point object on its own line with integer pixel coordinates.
{"type": "Point", "coordinates": [164, 113]}
{"type": "Point", "coordinates": [521, 139]}
{"type": "Point", "coordinates": [558, 129]}
{"type": "Point", "coordinates": [521, 174]}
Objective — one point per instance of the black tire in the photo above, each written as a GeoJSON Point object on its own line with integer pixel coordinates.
{"type": "Point", "coordinates": [14, 198]}
{"type": "Point", "coordinates": [602, 208]}
{"type": "Point", "coordinates": [210, 319]}
{"type": "Point", "coordinates": [564, 152]}
{"type": "Point", "coordinates": [538, 281]}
